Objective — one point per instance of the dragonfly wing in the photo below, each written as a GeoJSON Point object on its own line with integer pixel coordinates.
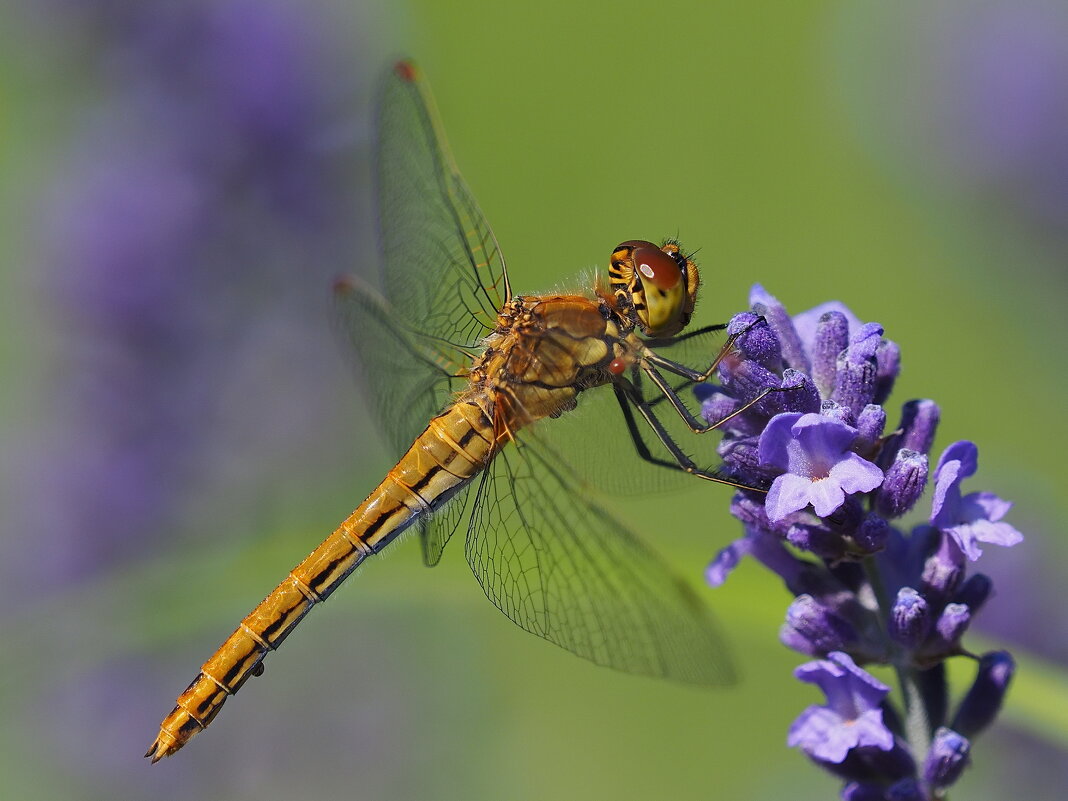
{"type": "Point", "coordinates": [564, 569]}
{"type": "Point", "coordinates": [443, 268]}
{"type": "Point", "coordinates": [436, 530]}
{"type": "Point", "coordinates": [597, 441]}
{"type": "Point", "coordinates": [444, 280]}
{"type": "Point", "coordinates": [409, 379]}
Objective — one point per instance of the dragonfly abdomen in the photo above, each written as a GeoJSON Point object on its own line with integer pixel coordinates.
{"type": "Point", "coordinates": [454, 448]}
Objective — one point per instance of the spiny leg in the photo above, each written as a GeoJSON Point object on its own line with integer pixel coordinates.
{"type": "Point", "coordinates": [651, 360]}
{"type": "Point", "coordinates": [695, 425]}
{"type": "Point", "coordinates": [667, 342]}
{"type": "Point", "coordinates": [644, 453]}
{"type": "Point", "coordinates": [698, 376]}
{"type": "Point", "coordinates": [627, 392]}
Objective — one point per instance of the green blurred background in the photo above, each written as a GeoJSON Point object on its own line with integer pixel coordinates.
{"type": "Point", "coordinates": [161, 475]}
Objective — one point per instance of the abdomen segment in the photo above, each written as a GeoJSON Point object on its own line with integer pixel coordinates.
{"type": "Point", "coordinates": [455, 447]}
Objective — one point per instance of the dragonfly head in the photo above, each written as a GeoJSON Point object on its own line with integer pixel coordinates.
{"type": "Point", "coordinates": [655, 286]}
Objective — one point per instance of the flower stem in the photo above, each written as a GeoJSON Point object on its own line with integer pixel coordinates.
{"type": "Point", "coordinates": [917, 726]}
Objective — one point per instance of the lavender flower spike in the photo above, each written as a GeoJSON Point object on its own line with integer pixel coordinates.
{"type": "Point", "coordinates": [819, 469]}
{"type": "Point", "coordinates": [864, 589]}
{"type": "Point", "coordinates": [852, 717]}
{"type": "Point", "coordinates": [975, 517]}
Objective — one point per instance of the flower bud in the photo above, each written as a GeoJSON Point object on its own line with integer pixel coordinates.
{"type": "Point", "coordinates": [872, 534]}
{"type": "Point", "coordinates": [903, 485]}
{"type": "Point", "coordinates": [905, 790]}
{"type": "Point", "coordinates": [793, 351]}
{"type": "Point", "coordinates": [888, 361]}
{"type": "Point", "coordinates": [983, 701]}
{"type": "Point", "coordinates": [854, 382]}
{"type": "Point", "coordinates": [870, 425]}
{"type": "Point", "coordinates": [919, 421]}
{"type": "Point", "coordinates": [974, 591]}
{"type": "Point", "coordinates": [832, 337]}
{"type": "Point", "coordinates": [803, 397]}
{"type": "Point", "coordinates": [837, 412]}
{"type": "Point", "coordinates": [910, 618]}
{"type": "Point", "coordinates": [814, 629]}
{"type": "Point", "coordinates": [953, 622]}
{"type": "Point", "coordinates": [759, 343]}
{"type": "Point", "coordinates": [943, 570]}
{"type": "Point", "coordinates": [946, 759]}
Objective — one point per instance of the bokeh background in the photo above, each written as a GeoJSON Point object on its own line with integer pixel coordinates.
{"type": "Point", "coordinates": [179, 182]}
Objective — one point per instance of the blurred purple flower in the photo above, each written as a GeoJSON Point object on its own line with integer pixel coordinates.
{"type": "Point", "coordinates": [191, 238]}
{"type": "Point", "coordinates": [975, 517]}
{"type": "Point", "coordinates": [205, 201]}
{"type": "Point", "coordinates": [852, 717]}
{"type": "Point", "coordinates": [972, 96]}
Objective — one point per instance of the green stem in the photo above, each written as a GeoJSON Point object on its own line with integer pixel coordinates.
{"type": "Point", "coordinates": [917, 724]}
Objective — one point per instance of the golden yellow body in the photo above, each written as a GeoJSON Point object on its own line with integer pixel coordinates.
{"type": "Point", "coordinates": [544, 352]}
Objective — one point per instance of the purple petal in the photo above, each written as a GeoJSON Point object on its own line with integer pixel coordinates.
{"type": "Point", "coordinates": [945, 502]}
{"type": "Point", "coordinates": [789, 493]}
{"type": "Point", "coordinates": [818, 732]}
{"type": "Point", "coordinates": [992, 507]}
{"type": "Point", "coordinates": [823, 439]}
{"type": "Point", "coordinates": [856, 474]}
{"type": "Point", "coordinates": [969, 535]}
{"type": "Point", "coordinates": [964, 452]}
{"type": "Point", "coordinates": [825, 495]}
{"type": "Point", "coordinates": [726, 560]}
{"type": "Point", "coordinates": [869, 730]}
{"type": "Point", "coordinates": [775, 438]}
{"type": "Point", "coordinates": [825, 735]}
{"type": "Point", "coordinates": [849, 689]}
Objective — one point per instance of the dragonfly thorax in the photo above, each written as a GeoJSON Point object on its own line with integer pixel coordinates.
{"type": "Point", "coordinates": [545, 350]}
{"type": "Point", "coordinates": [656, 287]}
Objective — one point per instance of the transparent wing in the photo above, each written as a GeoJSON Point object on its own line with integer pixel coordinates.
{"type": "Point", "coordinates": [444, 281]}
{"type": "Point", "coordinates": [601, 449]}
{"type": "Point", "coordinates": [408, 378]}
{"type": "Point", "coordinates": [565, 570]}
{"type": "Point", "coordinates": [443, 268]}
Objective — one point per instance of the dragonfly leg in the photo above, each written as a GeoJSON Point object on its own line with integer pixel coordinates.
{"type": "Point", "coordinates": [698, 376]}
{"type": "Point", "coordinates": [695, 425]}
{"type": "Point", "coordinates": [644, 453]}
{"type": "Point", "coordinates": [628, 395]}
{"type": "Point", "coordinates": [666, 342]}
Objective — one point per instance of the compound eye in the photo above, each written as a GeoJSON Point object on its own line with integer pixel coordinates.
{"type": "Point", "coordinates": [657, 268]}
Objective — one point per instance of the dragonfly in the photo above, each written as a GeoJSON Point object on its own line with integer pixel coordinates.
{"type": "Point", "coordinates": [465, 371]}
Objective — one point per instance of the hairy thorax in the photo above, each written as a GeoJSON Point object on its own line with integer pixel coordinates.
{"type": "Point", "coordinates": [544, 351]}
